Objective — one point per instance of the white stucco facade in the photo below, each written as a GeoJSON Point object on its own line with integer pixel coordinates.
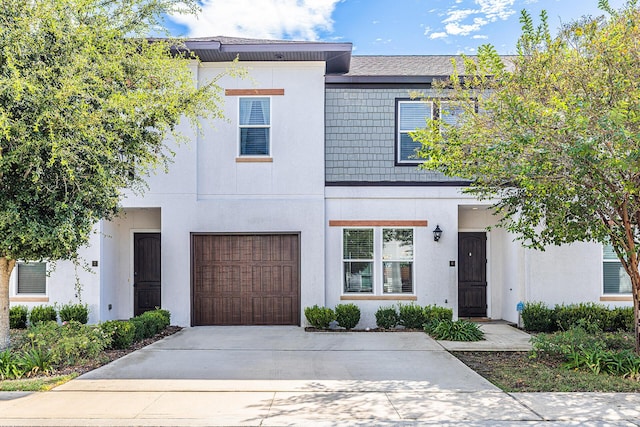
{"type": "Point", "coordinates": [210, 188]}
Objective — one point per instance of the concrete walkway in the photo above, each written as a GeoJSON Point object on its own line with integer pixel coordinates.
{"type": "Point", "coordinates": [274, 376]}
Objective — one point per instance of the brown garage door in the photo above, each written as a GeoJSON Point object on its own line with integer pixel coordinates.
{"type": "Point", "coordinates": [245, 279]}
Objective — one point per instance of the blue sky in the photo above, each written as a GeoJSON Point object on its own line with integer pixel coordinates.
{"type": "Point", "coordinates": [382, 27]}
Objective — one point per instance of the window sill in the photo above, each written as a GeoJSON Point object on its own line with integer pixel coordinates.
{"type": "Point", "coordinates": [254, 160]}
{"type": "Point", "coordinates": [616, 298]}
{"type": "Point", "coordinates": [378, 298]}
{"type": "Point", "coordinates": [28, 299]}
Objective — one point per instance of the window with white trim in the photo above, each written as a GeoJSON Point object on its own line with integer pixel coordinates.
{"type": "Point", "coordinates": [31, 278]}
{"type": "Point", "coordinates": [372, 253]}
{"type": "Point", "coordinates": [411, 115]}
{"type": "Point", "coordinates": [615, 279]}
{"type": "Point", "coordinates": [255, 126]}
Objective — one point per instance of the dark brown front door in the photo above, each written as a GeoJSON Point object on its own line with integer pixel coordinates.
{"type": "Point", "coordinates": [472, 275]}
{"type": "Point", "coordinates": [245, 279]}
{"type": "Point", "coordinates": [146, 272]}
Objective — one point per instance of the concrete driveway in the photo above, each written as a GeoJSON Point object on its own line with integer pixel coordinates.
{"type": "Point", "coordinates": [282, 376]}
{"type": "Point", "coordinates": [275, 353]}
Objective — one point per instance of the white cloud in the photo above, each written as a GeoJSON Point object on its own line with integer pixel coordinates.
{"type": "Point", "coordinates": [480, 37]}
{"type": "Point", "coordinates": [268, 19]}
{"type": "Point", "coordinates": [427, 30]}
{"type": "Point", "coordinates": [465, 22]}
{"type": "Point", "coordinates": [441, 35]}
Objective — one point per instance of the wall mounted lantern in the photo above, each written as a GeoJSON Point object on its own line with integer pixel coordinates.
{"type": "Point", "coordinates": [437, 233]}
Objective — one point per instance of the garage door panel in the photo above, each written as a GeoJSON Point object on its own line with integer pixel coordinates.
{"type": "Point", "coordinates": [246, 279]}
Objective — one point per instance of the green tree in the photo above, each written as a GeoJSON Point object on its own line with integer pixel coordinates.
{"type": "Point", "coordinates": [87, 105]}
{"type": "Point", "coordinates": [552, 134]}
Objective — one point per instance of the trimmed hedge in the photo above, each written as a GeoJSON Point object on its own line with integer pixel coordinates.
{"type": "Point", "coordinates": [319, 317]}
{"type": "Point", "coordinates": [43, 313]}
{"type": "Point", "coordinates": [18, 317]}
{"type": "Point", "coordinates": [347, 315]}
{"type": "Point", "coordinates": [77, 312]}
{"type": "Point", "coordinates": [537, 317]}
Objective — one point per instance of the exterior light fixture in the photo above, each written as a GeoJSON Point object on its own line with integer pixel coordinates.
{"type": "Point", "coordinates": [437, 233]}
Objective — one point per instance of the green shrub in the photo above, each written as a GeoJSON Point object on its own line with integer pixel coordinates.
{"type": "Point", "coordinates": [9, 366]}
{"type": "Point", "coordinates": [69, 343]}
{"type": "Point", "coordinates": [18, 317]}
{"type": "Point", "coordinates": [155, 321]}
{"type": "Point", "coordinates": [122, 333]}
{"type": "Point", "coordinates": [596, 315]}
{"type": "Point", "coordinates": [433, 312]}
{"type": "Point", "coordinates": [411, 316]}
{"type": "Point", "coordinates": [537, 317]}
{"type": "Point", "coordinates": [141, 328]}
{"type": "Point", "coordinates": [43, 313]}
{"type": "Point", "coordinates": [347, 315]}
{"type": "Point", "coordinates": [319, 317]}
{"type": "Point", "coordinates": [622, 319]}
{"type": "Point", "coordinates": [562, 343]}
{"type": "Point", "coordinates": [35, 361]}
{"type": "Point", "coordinates": [460, 330]}
{"type": "Point", "coordinates": [387, 317]}
{"type": "Point", "coordinates": [77, 312]}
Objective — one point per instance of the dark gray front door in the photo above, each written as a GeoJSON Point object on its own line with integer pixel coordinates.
{"type": "Point", "coordinates": [146, 272]}
{"type": "Point", "coordinates": [472, 274]}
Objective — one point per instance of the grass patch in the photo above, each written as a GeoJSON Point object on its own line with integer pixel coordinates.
{"type": "Point", "coordinates": [516, 372]}
{"type": "Point", "coordinates": [36, 384]}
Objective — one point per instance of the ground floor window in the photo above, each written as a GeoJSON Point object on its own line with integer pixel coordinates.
{"type": "Point", "coordinates": [378, 260]}
{"type": "Point", "coordinates": [31, 278]}
{"type": "Point", "coordinates": [614, 278]}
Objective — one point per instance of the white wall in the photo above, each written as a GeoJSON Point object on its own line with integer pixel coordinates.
{"type": "Point", "coordinates": [61, 282]}
{"type": "Point", "coordinates": [207, 191]}
{"type": "Point", "coordinates": [435, 281]}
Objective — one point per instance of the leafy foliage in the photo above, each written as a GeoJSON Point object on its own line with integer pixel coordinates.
{"type": "Point", "coordinates": [552, 134]}
{"type": "Point", "coordinates": [347, 315]}
{"type": "Point", "coordinates": [122, 333]}
{"type": "Point", "coordinates": [43, 313]}
{"type": "Point", "coordinates": [598, 352]}
{"type": "Point", "coordinates": [319, 317]}
{"type": "Point", "coordinates": [18, 317]}
{"type": "Point", "coordinates": [87, 107]}
{"type": "Point", "coordinates": [77, 312]}
{"type": "Point", "coordinates": [387, 317]}
{"type": "Point", "coordinates": [537, 317]}
{"type": "Point", "coordinates": [10, 367]}
{"type": "Point", "coordinates": [460, 330]}
{"type": "Point", "coordinates": [411, 316]}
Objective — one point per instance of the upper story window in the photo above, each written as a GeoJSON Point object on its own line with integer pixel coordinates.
{"type": "Point", "coordinates": [255, 126]}
{"type": "Point", "coordinates": [615, 279]}
{"type": "Point", "coordinates": [31, 278]}
{"type": "Point", "coordinates": [410, 115]}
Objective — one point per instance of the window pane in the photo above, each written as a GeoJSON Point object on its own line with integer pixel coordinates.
{"type": "Point", "coordinates": [397, 244]}
{"type": "Point", "coordinates": [358, 276]}
{"type": "Point", "coordinates": [32, 278]}
{"type": "Point", "coordinates": [408, 148]}
{"type": "Point", "coordinates": [397, 277]}
{"type": "Point", "coordinates": [254, 111]}
{"type": "Point", "coordinates": [413, 115]}
{"type": "Point", "coordinates": [254, 141]}
{"type": "Point", "coordinates": [357, 244]}
{"type": "Point", "coordinates": [615, 279]}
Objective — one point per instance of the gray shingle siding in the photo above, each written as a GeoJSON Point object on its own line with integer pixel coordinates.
{"type": "Point", "coordinates": [360, 138]}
